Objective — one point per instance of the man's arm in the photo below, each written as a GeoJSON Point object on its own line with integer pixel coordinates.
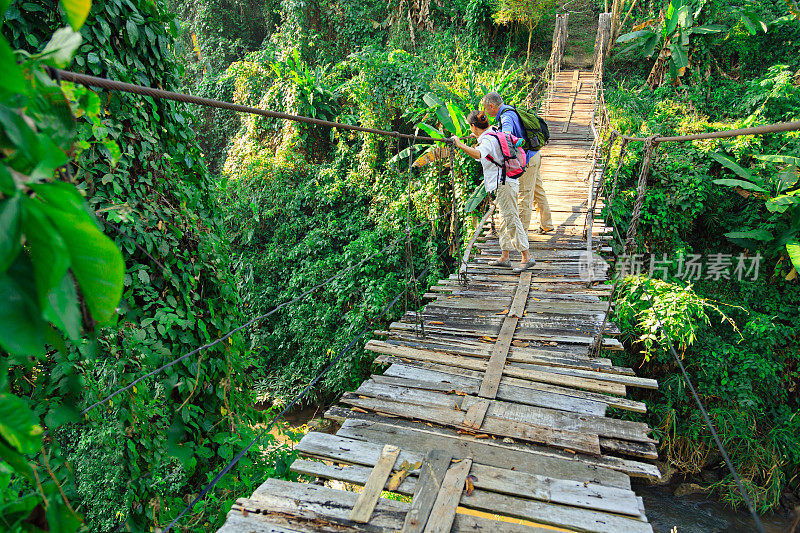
{"type": "Point", "coordinates": [507, 123]}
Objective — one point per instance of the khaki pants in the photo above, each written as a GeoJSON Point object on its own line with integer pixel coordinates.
{"type": "Point", "coordinates": [531, 191]}
{"type": "Point", "coordinates": [513, 235]}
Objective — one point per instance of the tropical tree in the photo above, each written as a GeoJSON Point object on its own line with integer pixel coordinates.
{"type": "Point", "coordinates": [673, 31]}
{"type": "Point", "coordinates": [780, 193]}
{"type": "Point", "coordinates": [529, 13]}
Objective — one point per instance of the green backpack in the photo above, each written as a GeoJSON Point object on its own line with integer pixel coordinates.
{"type": "Point", "coordinates": [537, 133]}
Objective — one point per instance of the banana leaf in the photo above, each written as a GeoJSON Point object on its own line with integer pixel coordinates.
{"type": "Point", "coordinates": [475, 198]}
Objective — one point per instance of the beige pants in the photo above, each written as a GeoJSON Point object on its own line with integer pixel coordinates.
{"type": "Point", "coordinates": [513, 235]}
{"type": "Point", "coordinates": [531, 191]}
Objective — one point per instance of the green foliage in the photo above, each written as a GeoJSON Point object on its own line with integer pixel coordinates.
{"type": "Point", "coordinates": [744, 367]}
{"type": "Point", "coordinates": [674, 315]}
{"type": "Point", "coordinates": [141, 177]}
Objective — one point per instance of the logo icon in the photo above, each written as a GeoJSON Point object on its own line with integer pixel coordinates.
{"type": "Point", "coordinates": [592, 267]}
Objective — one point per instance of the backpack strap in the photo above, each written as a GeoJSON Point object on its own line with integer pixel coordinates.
{"type": "Point", "coordinates": [521, 124]}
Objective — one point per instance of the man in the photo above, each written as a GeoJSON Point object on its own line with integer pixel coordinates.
{"type": "Point", "coordinates": [531, 190]}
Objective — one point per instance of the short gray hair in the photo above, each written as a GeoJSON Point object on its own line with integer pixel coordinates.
{"type": "Point", "coordinates": [493, 98]}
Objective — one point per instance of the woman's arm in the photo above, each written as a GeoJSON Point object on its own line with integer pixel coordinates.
{"type": "Point", "coordinates": [470, 151]}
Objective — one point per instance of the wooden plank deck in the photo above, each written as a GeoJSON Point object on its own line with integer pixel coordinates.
{"type": "Point", "coordinates": [499, 408]}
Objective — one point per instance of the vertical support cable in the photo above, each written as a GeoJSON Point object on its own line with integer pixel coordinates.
{"type": "Point", "coordinates": [651, 145]}
{"type": "Point", "coordinates": [623, 147]}
{"type": "Point", "coordinates": [411, 277]}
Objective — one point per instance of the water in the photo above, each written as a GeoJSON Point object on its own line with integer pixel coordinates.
{"type": "Point", "coordinates": [696, 513]}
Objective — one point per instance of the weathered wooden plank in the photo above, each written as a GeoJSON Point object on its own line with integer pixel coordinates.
{"type": "Point", "coordinates": [432, 472]}
{"type": "Point", "coordinates": [571, 440]}
{"type": "Point", "coordinates": [473, 363]}
{"type": "Point", "coordinates": [509, 481]}
{"type": "Point", "coordinates": [613, 401]}
{"type": "Point", "coordinates": [368, 498]}
{"type": "Point", "coordinates": [497, 359]}
{"type": "Point", "coordinates": [444, 508]}
{"type": "Point", "coordinates": [327, 509]}
{"type": "Point", "coordinates": [409, 376]}
{"type": "Point", "coordinates": [512, 412]}
{"type": "Point", "coordinates": [237, 522]}
{"type": "Point", "coordinates": [421, 436]}
{"type": "Point", "coordinates": [475, 414]}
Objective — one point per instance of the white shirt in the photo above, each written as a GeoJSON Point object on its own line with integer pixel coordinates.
{"type": "Point", "coordinates": [492, 174]}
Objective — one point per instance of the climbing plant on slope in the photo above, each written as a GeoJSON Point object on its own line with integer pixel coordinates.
{"type": "Point", "coordinates": [150, 191]}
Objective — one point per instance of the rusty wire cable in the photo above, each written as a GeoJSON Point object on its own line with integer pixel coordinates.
{"type": "Point", "coordinates": [113, 85]}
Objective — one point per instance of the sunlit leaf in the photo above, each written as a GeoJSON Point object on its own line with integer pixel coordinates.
{"type": "Point", "coordinates": [431, 100]}
{"type": "Point", "coordinates": [786, 159]}
{"type": "Point", "coordinates": [793, 249]}
{"type": "Point", "coordinates": [77, 11]}
{"type": "Point", "coordinates": [709, 28]}
{"type": "Point", "coordinates": [740, 183]}
{"type": "Point", "coordinates": [61, 47]}
{"type": "Point", "coordinates": [756, 234]}
{"type": "Point", "coordinates": [634, 35]}
{"type": "Point", "coordinates": [19, 425]}
{"type": "Point", "coordinates": [430, 130]}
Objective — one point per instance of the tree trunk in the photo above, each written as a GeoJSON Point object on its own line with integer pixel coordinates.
{"type": "Point", "coordinates": [659, 70]}
{"type": "Point", "coordinates": [530, 34]}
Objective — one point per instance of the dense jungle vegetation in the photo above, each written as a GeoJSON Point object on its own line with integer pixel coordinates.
{"type": "Point", "coordinates": [134, 230]}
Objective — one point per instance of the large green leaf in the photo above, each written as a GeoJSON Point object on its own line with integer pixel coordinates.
{"type": "Point", "coordinates": [709, 28]}
{"type": "Point", "coordinates": [411, 150]}
{"type": "Point", "coordinates": [650, 44]}
{"type": "Point", "coordinates": [679, 55]}
{"type": "Point", "coordinates": [634, 35]}
{"type": "Point", "coordinates": [62, 308]}
{"type": "Point", "coordinates": [431, 100]}
{"type": "Point", "coordinates": [10, 224]}
{"type": "Point", "coordinates": [793, 249]}
{"type": "Point", "coordinates": [781, 203]}
{"type": "Point", "coordinates": [475, 198]}
{"type": "Point", "coordinates": [62, 45]}
{"type": "Point", "coordinates": [13, 82]}
{"type": "Point", "coordinates": [77, 11]}
{"type": "Point", "coordinates": [457, 116]}
{"type": "Point", "coordinates": [95, 259]}
{"type": "Point", "coordinates": [684, 17]}
{"type": "Point", "coordinates": [734, 166]}
{"type": "Point", "coordinates": [22, 329]}
{"type": "Point", "coordinates": [786, 159]}
{"type": "Point", "coordinates": [47, 248]}
{"type": "Point", "coordinates": [756, 234]}
{"type": "Point", "coordinates": [739, 183]}
{"type": "Point", "coordinates": [430, 130]}
{"type": "Point", "coordinates": [18, 425]}
{"type": "Point", "coordinates": [444, 117]}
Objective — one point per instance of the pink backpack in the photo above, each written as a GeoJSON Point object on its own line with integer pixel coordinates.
{"type": "Point", "coordinates": [514, 157]}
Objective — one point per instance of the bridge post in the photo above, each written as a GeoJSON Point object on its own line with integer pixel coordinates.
{"type": "Point", "coordinates": [602, 43]}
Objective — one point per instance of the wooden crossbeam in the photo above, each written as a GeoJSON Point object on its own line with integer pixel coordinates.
{"type": "Point", "coordinates": [362, 510]}
{"type": "Point", "coordinates": [497, 360]}
{"type": "Point", "coordinates": [444, 509]}
{"type": "Point", "coordinates": [432, 472]}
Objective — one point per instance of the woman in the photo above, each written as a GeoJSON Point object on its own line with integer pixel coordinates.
{"type": "Point", "coordinates": [512, 234]}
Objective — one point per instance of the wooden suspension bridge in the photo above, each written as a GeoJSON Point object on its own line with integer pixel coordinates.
{"type": "Point", "coordinates": [497, 418]}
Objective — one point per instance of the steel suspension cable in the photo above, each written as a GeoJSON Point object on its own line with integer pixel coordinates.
{"type": "Point", "coordinates": [113, 85]}
{"type": "Point", "coordinates": [291, 404]}
{"type": "Point", "coordinates": [246, 324]}
{"type": "Point", "coordinates": [685, 374]}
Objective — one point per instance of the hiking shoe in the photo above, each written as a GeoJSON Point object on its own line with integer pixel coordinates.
{"type": "Point", "coordinates": [526, 266]}
{"type": "Point", "coordinates": [499, 263]}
